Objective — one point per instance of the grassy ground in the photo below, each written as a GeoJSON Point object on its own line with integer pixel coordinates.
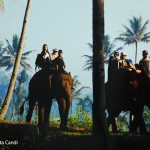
{"type": "Point", "coordinates": [28, 137]}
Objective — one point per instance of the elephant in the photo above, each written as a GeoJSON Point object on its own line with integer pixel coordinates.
{"type": "Point", "coordinates": [44, 86]}
{"type": "Point", "coordinates": [143, 99]}
{"type": "Point", "coordinates": [122, 96]}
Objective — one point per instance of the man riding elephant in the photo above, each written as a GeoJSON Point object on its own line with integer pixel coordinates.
{"type": "Point", "coordinates": [143, 96]}
{"type": "Point", "coordinates": [45, 85]}
{"type": "Point", "coordinates": [41, 91]}
{"type": "Point", "coordinates": [122, 94]}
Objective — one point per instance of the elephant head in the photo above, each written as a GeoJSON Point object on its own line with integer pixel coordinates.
{"type": "Point", "coordinates": [62, 85]}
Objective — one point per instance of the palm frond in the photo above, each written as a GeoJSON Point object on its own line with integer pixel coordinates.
{"type": "Point", "coordinates": [147, 34]}
{"type": "Point", "coordinates": [4, 50]}
{"type": "Point", "coordinates": [143, 29]}
{"type": "Point", "coordinates": [87, 57]}
{"type": "Point", "coordinates": [77, 94]}
{"type": "Point", "coordinates": [145, 39]}
{"type": "Point", "coordinates": [87, 68]}
{"type": "Point", "coordinates": [9, 67]}
{"type": "Point", "coordinates": [28, 52]}
{"type": "Point", "coordinates": [129, 42]}
{"type": "Point", "coordinates": [136, 23]}
{"type": "Point", "coordinates": [123, 39]}
{"type": "Point", "coordinates": [15, 43]}
{"type": "Point", "coordinates": [90, 45]}
{"type": "Point", "coordinates": [25, 65]}
{"type": "Point", "coordinates": [128, 32]}
{"type": "Point", "coordinates": [10, 50]}
{"type": "Point", "coordinates": [7, 61]}
{"type": "Point", "coordinates": [109, 50]}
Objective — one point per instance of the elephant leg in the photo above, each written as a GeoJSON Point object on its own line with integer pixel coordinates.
{"type": "Point", "coordinates": [41, 108]}
{"type": "Point", "coordinates": [140, 120]}
{"type": "Point", "coordinates": [133, 126]}
{"type": "Point", "coordinates": [30, 111]}
{"type": "Point", "coordinates": [109, 121]}
{"type": "Point", "coordinates": [47, 109]}
{"type": "Point", "coordinates": [114, 126]}
{"type": "Point", "coordinates": [68, 103]}
{"type": "Point", "coordinates": [142, 126]}
{"type": "Point", "coordinates": [62, 108]}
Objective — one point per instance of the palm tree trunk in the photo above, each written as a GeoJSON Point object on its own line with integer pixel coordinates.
{"type": "Point", "coordinates": [136, 43]}
{"type": "Point", "coordinates": [17, 63]}
{"type": "Point", "coordinates": [99, 118]}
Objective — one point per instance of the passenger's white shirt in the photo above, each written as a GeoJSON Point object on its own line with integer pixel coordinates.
{"type": "Point", "coordinates": [46, 55]}
{"type": "Point", "coordinates": [53, 56]}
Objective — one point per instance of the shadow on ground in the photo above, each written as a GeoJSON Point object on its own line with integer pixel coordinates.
{"type": "Point", "coordinates": [29, 137]}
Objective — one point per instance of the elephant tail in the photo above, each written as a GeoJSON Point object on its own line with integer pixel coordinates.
{"type": "Point", "coordinates": [22, 106]}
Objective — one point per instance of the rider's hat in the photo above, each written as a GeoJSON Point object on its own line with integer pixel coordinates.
{"type": "Point", "coordinates": [55, 50]}
{"type": "Point", "coordinates": [145, 52]}
{"type": "Point", "coordinates": [60, 51]}
{"type": "Point", "coordinates": [116, 53]}
{"type": "Point", "coordinates": [123, 54]}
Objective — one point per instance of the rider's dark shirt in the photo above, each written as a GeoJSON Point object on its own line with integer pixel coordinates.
{"type": "Point", "coordinates": [113, 69]}
{"type": "Point", "coordinates": [59, 62]}
{"type": "Point", "coordinates": [145, 66]}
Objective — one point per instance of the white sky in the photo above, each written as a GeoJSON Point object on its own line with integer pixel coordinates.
{"type": "Point", "coordinates": [67, 25]}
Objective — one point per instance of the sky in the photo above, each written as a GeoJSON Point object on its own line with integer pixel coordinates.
{"type": "Point", "coordinates": [67, 25]}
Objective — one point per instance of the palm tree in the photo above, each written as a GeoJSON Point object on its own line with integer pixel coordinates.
{"type": "Point", "coordinates": [21, 91]}
{"type": "Point", "coordinates": [98, 115]}
{"type": "Point", "coordinates": [109, 49]}
{"type": "Point", "coordinates": [11, 50]}
{"type": "Point", "coordinates": [76, 91]}
{"type": "Point", "coordinates": [135, 33]}
{"type": "Point", "coordinates": [86, 104]}
{"type": "Point", "coordinates": [17, 64]}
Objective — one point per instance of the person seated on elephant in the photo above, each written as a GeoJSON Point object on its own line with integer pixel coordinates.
{"type": "Point", "coordinates": [145, 64]}
{"type": "Point", "coordinates": [59, 63]}
{"type": "Point", "coordinates": [53, 55]}
{"type": "Point", "coordinates": [43, 59]}
{"type": "Point", "coordinates": [126, 63]}
{"type": "Point", "coordinates": [113, 67]}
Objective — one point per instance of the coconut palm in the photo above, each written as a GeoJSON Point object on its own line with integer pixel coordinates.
{"type": "Point", "coordinates": [20, 90]}
{"type": "Point", "coordinates": [8, 60]}
{"type": "Point", "coordinates": [86, 104]}
{"type": "Point", "coordinates": [100, 129]}
{"type": "Point", "coordinates": [109, 49]}
{"type": "Point", "coordinates": [135, 33]}
{"type": "Point", "coordinates": [76, 91]}
{"type": "Point", "coordinates": [16, 64]}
